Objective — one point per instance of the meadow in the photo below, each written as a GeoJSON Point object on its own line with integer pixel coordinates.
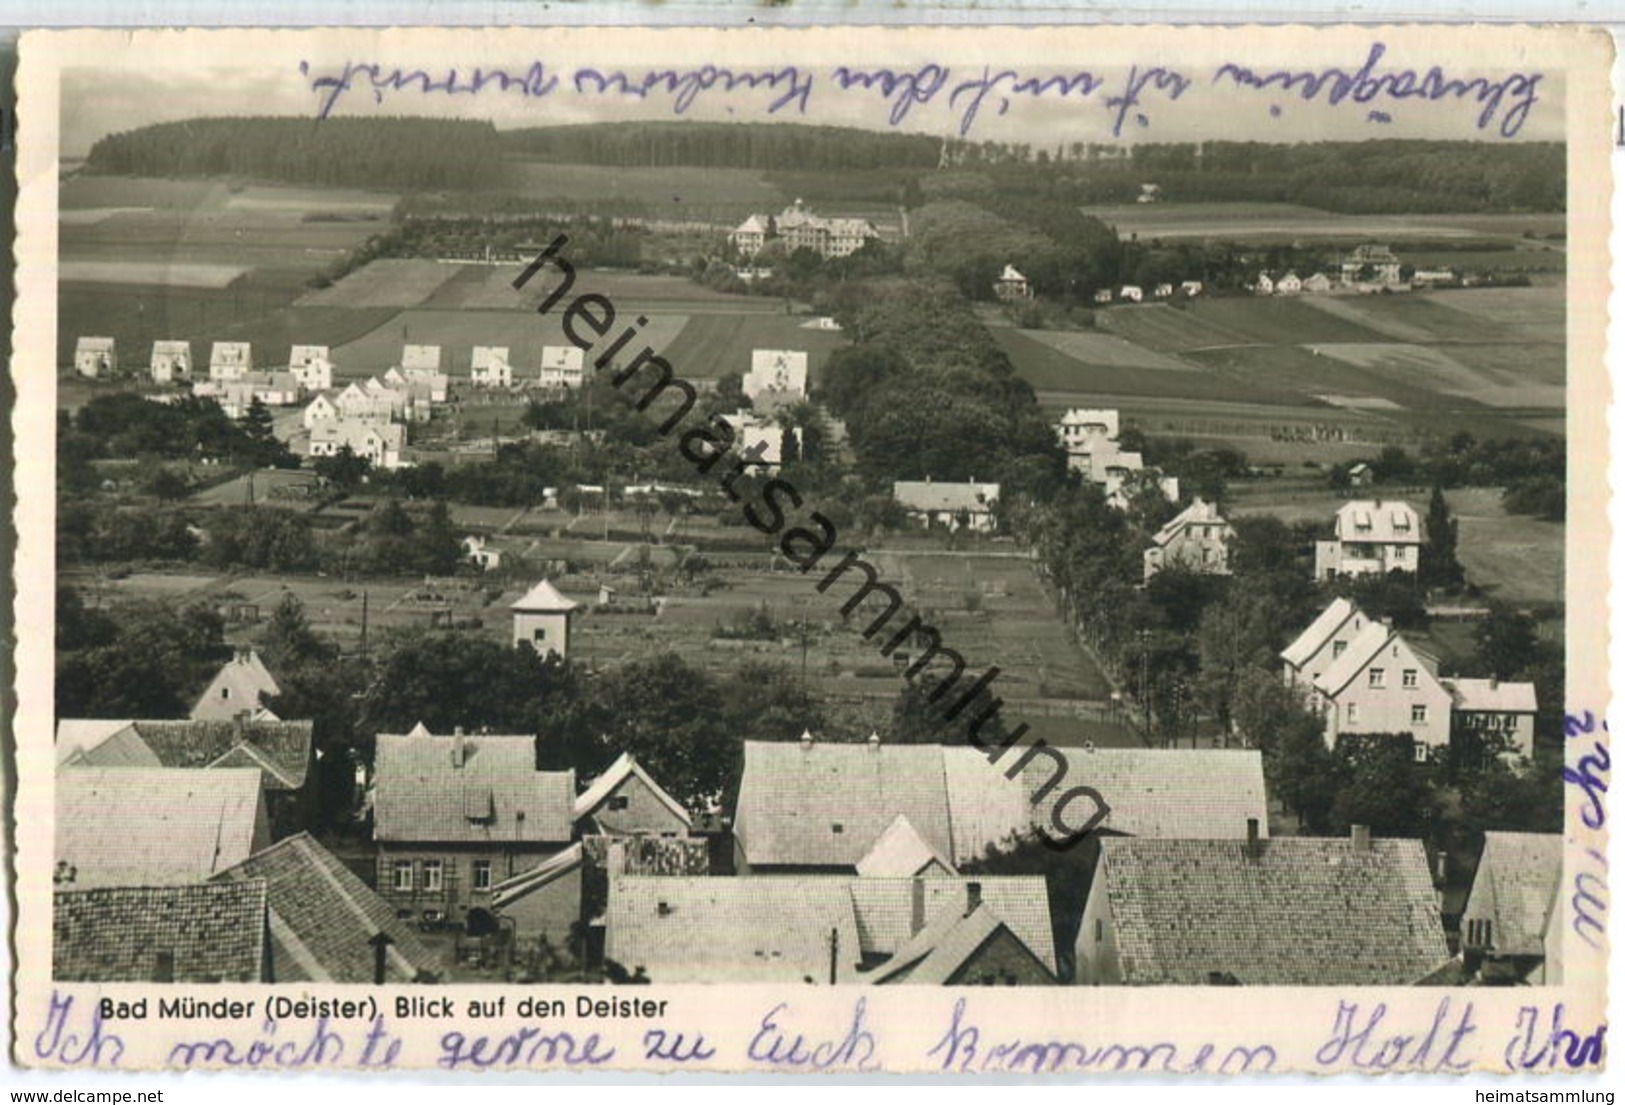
{"type": "Point", "coordinates": [1274, 221]}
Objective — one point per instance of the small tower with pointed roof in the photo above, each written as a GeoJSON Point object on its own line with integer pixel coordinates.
{"type": "Point", "coordinates": [541, 619]}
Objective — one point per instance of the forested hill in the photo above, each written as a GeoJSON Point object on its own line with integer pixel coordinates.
{"type": "Point", "coordinates": [788, 147]}
{"type": "Point", "coordinates": [396, 153]}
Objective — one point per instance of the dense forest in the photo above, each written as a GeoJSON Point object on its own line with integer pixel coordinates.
{"type": "Point", "coordinates": [727, 146]}
{"type": "Point", "coordinates": [399, 153]}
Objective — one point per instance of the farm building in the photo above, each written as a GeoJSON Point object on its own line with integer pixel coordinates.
{"type": "Point", "coordinates": [830, 929]}
{"type": "Point", "coordinates": [95, 357]}
{"type": "Point", "coordinates": [230, 360]}
{"type": "Point", "coordinates": [563, 366]}
{"type": "Point", "coordinates": [1372, 538]}
{"type": "Point", "coordinates": [626, 801]}
{"type": "Point", "coordinates": [776, 370]}
{"type": "Point", "coordinates": [380, 443]}
{"type": "Point", "coordinates": [1434, 277]}
{"type": "Point", "coordinates": [312, 366]}
{"type": "Point", "coordinates": [1264, 284]}
{"type": "Point", "coordinates": [489, 367]}
{"type": "Point", "coordinates": [1294, 911]}
{"type": "Point", "coordinates": [1197, 539]}
{"type": "Point", "coordinates": [455, 816]}
{"type": "Point", "coordinates": [967, 505]}
{"type": "Point", "coordinates": [1163, 291]}
{"type": "Point", "coordinates": [1371, 264]}
{"type": "Point", "coordinates": [171, 362]}
{"type": "Point", "coordinates": [1012, 285]}
{"type": "Point", "coordinates": [423, 357]}
{"type": "Point", "coordinates": [541, 619]}
{"type": "Point", "coordinates": [1103, 295]}
{"type": "Point", "coordinates": [1508, 926]}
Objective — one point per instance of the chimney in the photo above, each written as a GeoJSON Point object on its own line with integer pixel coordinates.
{"type": "Point", "coordinates": [241, 654]}
{"type": "Point", "coordinates": [380, 942]}
{"type": "Point", "coordinates": [458, 748]}
{"type": "Point", "coordinates": [973, 897]}
{"type": "Point", "coordinates": [1253, 849]}
{"type": "Point", "coordinates": [916, 912]}
{"type": "Point", "coordinates": [1360, 836]}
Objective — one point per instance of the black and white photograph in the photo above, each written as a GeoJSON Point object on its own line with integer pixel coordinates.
{"type": "Point", "coordinates": [523, 524]}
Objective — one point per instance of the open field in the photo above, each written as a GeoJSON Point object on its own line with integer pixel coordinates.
{"type": "Point", "coordinates": [1269, 221]}
{"type": "Point", "coordinates": [1513, 557]}
{"type": "Point", "coordinates": [675, 192]}
{"type": "Point", "coordinates": [491, 286]}
{"type": "Point", "coordinates": [179, 274]}
{"type": "Point", "coordinates": [387, 282]}
{"type": "Point", "coordinates": [1094, 348]}
{"type": "Point", "coordinates": [91, 192]}
{"type": "Point", "coordinates": [272, 486]}
{"type": "Point", "coordinates": [712, 345]}
{"type": "Point", "coordinates": [1165, 328]}
{"type": "Point", "coordinates": [1507, 385]}
{"type": "Point", "coordinates": [1049, 370]}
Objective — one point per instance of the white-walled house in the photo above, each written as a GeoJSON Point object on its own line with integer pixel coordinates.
{"type": "Point", "coordinates": [1197, 538]}
{"type": "Point", "coordinates": [1384, 684]}
{"type": "Point", "coordinates": [171, 362]}
{"type": "Point", "coordinates": [968, 505]}
{"type": "Point", "coordinates": [95, 357]}
{"type": "Point", "coordinates": [541, 619]}
{"type": "Point", "coordinates": [1322, 644]}
{"type": "Point", "coordinates": [1373, 537]}
{"type": "Point", "coordinates": [490, 368]}
{"type": "Point", "coordinates": [424, 357]}
{"type": "Point", "coordinates": [753, 431]}
{"type": "Point", "coordinates": [319, 409]}
{"type": "Point", "coordinates": [1084, 431]}
{"type": "Point", "coordinates": [779, 370]}
{"type": "Point", "coordinates": [379, 442]}
{"type": "Point", "coordinates": [563, 366]}
{"type": "Point", "coordinates": [312, 366]}
{"type": "Point", "coordinates": [230, 360]}
{"type": "Point", "coordinates": [1492, 711]}
{"type": "Point", "coordinates": [1290, 284]}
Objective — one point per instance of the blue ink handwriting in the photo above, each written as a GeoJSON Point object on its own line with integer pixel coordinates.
{"type": "Point", "coordinates": [963, 1049]}
{"type": "Point", "coordinates": [686, 85]}
{"type": "Point", "coordinates": [1554, 1045]}
{"type": "Point", "coordinates": [55, 1041]}
{"type": "Point", "coordinates": [855, 1050]}
{"type": "Point", "coordinates": [1590, 775]}
{"type": "Point", "coordinates": [675, 1047]}
{"type": "Point", "coordinates": [534, 82]}
{"type": "Point", "coordinates": [1590, 902]}
{"type": "Point", "coordinates": [324, 1048]}
{"type": "Point", "coordinates": [527, 1048]}
{"type": "Point", "coordinates": [1356, 1042]}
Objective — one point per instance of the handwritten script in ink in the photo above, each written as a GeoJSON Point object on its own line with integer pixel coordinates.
{"type": "Point", "coordinates": [1122, 97]}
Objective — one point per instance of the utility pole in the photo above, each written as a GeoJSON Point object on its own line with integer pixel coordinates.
{"type": "Point", "coordinates": [363, 624]}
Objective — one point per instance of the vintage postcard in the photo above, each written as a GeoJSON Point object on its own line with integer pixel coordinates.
{"type": "Point", "coordinates": [1041, 551]}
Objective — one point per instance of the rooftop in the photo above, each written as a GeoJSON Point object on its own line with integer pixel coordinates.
{"type": "Point", "coordinates": [197, 933]}
{"type": "Point", "coordinates": [544, 598]}
{"type": "Point", "coordinates": [468, 788]}
{"type": "Point", "coordinates": [1515, 888]}
{"type": "Point", "coordinates": [1321, 630]}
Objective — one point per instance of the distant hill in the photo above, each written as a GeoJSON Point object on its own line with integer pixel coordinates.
{"type": "Point", "coordinates": [398, 154]}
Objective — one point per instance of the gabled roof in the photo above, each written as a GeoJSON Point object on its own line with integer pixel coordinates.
{"type": "Point", "coordinates": [1379, 521]}
{"type": "Point", "coordinates": [900, 850]}
{"type": "Point", "coordinates": [489, 356]}
{"type": "Point", "coordinates": [624, 768]}
{"type": "Point", "coordinates": [420, 356]}
{"type": "Point", "coordinates": [780, 928]}
{"type": "Point", "coordinates": [229, 352]}
{"type": "Point", "coordinates": [1515, 887]}
{"type": "Point", "coordinates": [544, 598]}
{"type": "Point", "coordinates": [1491, 696]}
{"type": "Point", "coordinates": [1200, 512]}
{"type": "Point", "coordinates": [931, 495]}
{"type": "Point", "coordinates": [95, 345]}
{"type": "Point", "coordinates": [322, 917]}
{"type": "Point", "coordinates": [304, 354]}
{"type": "Point", "coordinates": [822, 804]}
{"type": "Point", "coordinates": [563, 357]}
{"type": "Point", "coordinates": [155, 826]}
{"type": "Point", "coordinates": [936, 955]}
{"type": "Point", "coordinates": [207, 933]}
{"type": "Point", "coordinates": [280, 748]}
{"type": "Point", "coordinates": [246, 680]}
{"type": "Point", "coordinates": [171, 345]}
{"type": "Point", "coordinates": [1363, 648]}
{"type": "Point", "coordinates": [98, 742]}
{"type": "Point", "coordinates": [1010, 274]}
{"type": "Point", "coordinates": [1321, 630]}
{"type": "Point", "coordinates": [1306, 911]}
{"type": "Point", "coordinates": [495, 794]}
{"type": "Point", "coordinates": [794, 794]}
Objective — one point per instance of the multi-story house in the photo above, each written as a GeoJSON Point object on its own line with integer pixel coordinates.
{"type": "Point", "coordinates": [1373, 537]}
{"type": "Point", "coordinates": [1197, 539]}
{"type": "Point", "coordinates": [1384, 684]}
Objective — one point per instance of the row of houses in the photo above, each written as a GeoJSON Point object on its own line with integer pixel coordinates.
{"type": "Point", "coordinates": [1368, 268]}
{"type": "Point", "coordinates": [1136, 293]}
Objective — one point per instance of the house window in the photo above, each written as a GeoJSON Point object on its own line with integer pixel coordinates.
{"type": "Point", "coordinates": [432, 873]}
{"type": "Point", "coordinates": [1419, 752]}
{"type": "Point", "coordinates": [1509, 722]}
{"type": "Point", "coordinates": [1377, 677]}
{"type": "Point", "coordinates": [1338, 647]}
{"type": "Point", "coordinates": [1408, 679]}
{"type": "Point", "coordinates": [837, 827]}
{"type": "Point", "coordinates": [619, 801]}
{"type": "Point", "coordinates": [403, 875]}
{"type": "Point", "coordinates": [482, 874]}
{"type": "Point", "coordinates": [1419, 715]}
{"type": "Point", "coordinates": [539, 635]}
{"type": "Point", "coordinates": [1354, 712]}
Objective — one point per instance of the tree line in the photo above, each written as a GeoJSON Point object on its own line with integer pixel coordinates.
{"type": "Point", "coordinates": [725, 146]}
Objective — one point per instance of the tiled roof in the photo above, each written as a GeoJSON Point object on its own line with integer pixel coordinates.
{"type": "Point", "coordinates": [496, 794]}
{"type": "Point", "coordinates": [1307, 911]}
{"type": "Point", "coordinates": [1313, 639]}
{"type": "Point", "coordinates": [281, 748]}
{"type": "Point", "coordinates": [544, 598]}
{"type": "Point", "coordinates": [97, 742]}
{"type": "Point", "coordinates": [934, 495]}
{"type": "Point", "coordinates": [902, 851]}
{"type": "Point", "coordinates": [617, 773]}
{"type": "Point", "coordinates": [1386, 523]}
{"type": "Point", "coordinates": [940, 950]}
{"type": "Point", "coordinates": [135, 826]}
{"type": "Point", "coordinates": [95, 345]}
{"type": "Point", "coordinates": [1514, 888]}
{"type": "Point", "coordinates": [323, 917]}
{"type": "Point", "coordinates": [172, 346]}
{"type": "Point", "coordinates": [208, 933]}
{"type": "Point", "coordinates": [229, 352]}
{"type": "Point", "coordinates": [420, 356]}
{"type": "Point", "coordinates": [815, 803]}
{"type": "Point", "coordinates": [793, 794]}
{"type": "Point", "coordinates": [487, 356]}
{"type": "Point", "coordinates": [778, 928]}
{"type": "Point", "coordinates": [1491, 695]}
